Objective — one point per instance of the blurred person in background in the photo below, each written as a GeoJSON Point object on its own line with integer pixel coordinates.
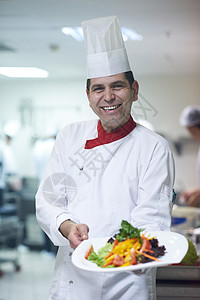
{"type": "Point", "coordinates": [41, 154]}
{"type": "Point", "coordinates": [13, 179]}
{"type": "Point", "coordinates": [10, 181]}
{"type": "Point", "coordinates": [190, 119]}
{"type": "Point", "coordinates": [2, 179]}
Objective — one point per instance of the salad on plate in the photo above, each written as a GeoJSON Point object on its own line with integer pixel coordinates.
{"type": "Point", "coordinates": [131, 246]}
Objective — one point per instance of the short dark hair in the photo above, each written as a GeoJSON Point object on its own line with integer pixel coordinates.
{"type": "Point", "coordinates": [129, 76]}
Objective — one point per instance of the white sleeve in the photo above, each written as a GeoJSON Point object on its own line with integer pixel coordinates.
{"type": "Point", "coordinates": [51, 199]}
{"type": "Point", "coordinates": [155, 192]}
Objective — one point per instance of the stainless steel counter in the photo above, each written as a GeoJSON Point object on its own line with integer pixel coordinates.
{"type": "Point", "coordinates": [178, 283]}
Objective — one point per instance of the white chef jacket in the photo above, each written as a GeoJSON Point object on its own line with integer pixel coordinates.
{"type": "Point", "coordinates": [128, 179]}
{"type": "Point", "coordinates": [198, 166]}
{"type": "Point", "coordinates": [10, 161]}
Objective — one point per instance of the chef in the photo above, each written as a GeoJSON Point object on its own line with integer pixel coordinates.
{"type": "Point", "coordinates": [102, 172]}
{"type": "Point", "coordinates": [2, 172]}
{"type": "Point", "coordinates": [190, 119]}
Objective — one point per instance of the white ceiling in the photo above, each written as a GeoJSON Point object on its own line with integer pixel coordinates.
{"type": "Point", "coordinates": [31, 28]}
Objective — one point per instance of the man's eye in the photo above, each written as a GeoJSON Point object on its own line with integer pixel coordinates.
{"type": "Point", "coordinates": [117, 86]}
{"type": "Point", "coordinates": [98, 89]}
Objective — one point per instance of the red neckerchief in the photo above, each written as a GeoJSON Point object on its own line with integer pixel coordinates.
{"type": "Point", "coordinates": [109, 137]}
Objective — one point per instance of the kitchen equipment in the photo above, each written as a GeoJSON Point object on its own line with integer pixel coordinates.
{"type": "Point", "coordinates": [184, 218]}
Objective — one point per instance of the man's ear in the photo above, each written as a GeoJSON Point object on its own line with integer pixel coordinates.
{"type": "Point", "coordinates": [135, 89]}
{"type": "Point", "coordinates": [88, 94]}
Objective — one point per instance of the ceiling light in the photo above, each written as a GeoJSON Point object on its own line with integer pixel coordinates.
{"type": "Point", "coordinates": [130, 34]}
{"type": "Point", "coordinates": [29, 72]}
{"type": "Point", "coordinates": [77, 33]}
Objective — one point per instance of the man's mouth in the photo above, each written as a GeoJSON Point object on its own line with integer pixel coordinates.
{"type": "Point", "coordinates": [108, 108]}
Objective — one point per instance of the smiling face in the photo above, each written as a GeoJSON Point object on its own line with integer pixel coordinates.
{"type": "Point", "coordinates": [111, 98]}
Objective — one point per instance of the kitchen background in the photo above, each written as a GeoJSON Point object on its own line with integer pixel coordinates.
{"type": "Point", "coordinates": [42, 104]}
{"type": "Point", "coordinates": [164, 54]}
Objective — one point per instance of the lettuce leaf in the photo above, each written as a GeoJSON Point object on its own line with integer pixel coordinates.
{"type": "Point", "coordinates": [103, 252]}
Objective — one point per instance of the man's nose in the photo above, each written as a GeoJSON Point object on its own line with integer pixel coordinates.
{"type": "Point", "coordinates": [108, 94]}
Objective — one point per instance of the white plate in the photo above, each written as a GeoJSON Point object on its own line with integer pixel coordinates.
{"type": "Point", "coordinates": [176, 247]}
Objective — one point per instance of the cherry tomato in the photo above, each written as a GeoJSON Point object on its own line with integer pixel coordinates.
{"type": "Point", "coordinates": [88, 252]}
{"type": "Point", "coordinates": [145, 245]}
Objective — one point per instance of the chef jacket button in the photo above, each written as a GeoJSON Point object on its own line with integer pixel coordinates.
{"type": "Point", "coordinates": [70, 282]}
{"type": "Point", "coordinates": [70, 253]}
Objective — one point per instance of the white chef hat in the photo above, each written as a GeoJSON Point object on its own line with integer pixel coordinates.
{"type": "Point", "coordinates": [190, 116]}
{"type": "Point", "coordinates": [11, 128]}
{"type": "Point", "coordinates": [106, 53]}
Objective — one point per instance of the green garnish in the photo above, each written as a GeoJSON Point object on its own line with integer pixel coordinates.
{"type": "Point", "coordinates": [127, 231]}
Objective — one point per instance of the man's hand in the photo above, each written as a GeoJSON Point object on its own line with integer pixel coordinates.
{"type": "Point", "coordinates": [75, 233]}
{"type": "Point", "coordinates": [192, 197]}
